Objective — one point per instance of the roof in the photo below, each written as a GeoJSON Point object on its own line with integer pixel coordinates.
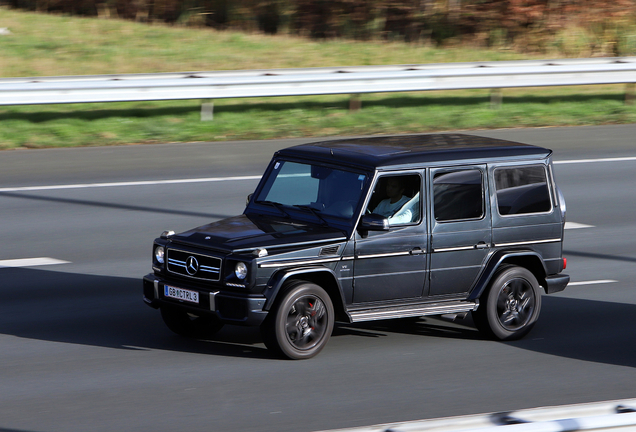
{"type": "Point", "coordinates": [385, 151]}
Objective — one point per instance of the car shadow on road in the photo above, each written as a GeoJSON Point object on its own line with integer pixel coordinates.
{"type": "Point", "coordinates": [588, 330]}
{"type": "Point", "coordinates": [102, 311]}
{"type": "Point", "coordinates": [109, 312]}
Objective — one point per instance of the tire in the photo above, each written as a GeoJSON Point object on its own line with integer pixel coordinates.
{"type": "Point", "coordinates": [188, 325]}
{"type": "Point", "coordinates": [300, 324]}
{"type": "Point", "coordinates": [510, 306]}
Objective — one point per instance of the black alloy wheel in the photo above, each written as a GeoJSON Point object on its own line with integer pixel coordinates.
{"type": "Point", "coordinates": [511, 305]}
{"type": "Point", "coordinates": [300, 324]}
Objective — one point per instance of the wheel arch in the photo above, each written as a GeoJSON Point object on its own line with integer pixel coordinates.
{"type": "Point", "coordinates": [527, 259]}
{"type": "Point", "coordinates": [321, 276]}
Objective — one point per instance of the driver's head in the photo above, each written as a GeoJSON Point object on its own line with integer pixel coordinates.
{"type": "Point", "coordinates": [395, 188]}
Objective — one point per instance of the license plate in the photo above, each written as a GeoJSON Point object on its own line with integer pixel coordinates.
{"type": "Point", "coordinates": [181, 294]}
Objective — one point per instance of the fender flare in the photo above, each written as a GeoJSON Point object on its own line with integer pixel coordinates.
{"type": "Point", "coordinates": [278, 279]}
{"type": "Point", "coordinates": [495, 262]}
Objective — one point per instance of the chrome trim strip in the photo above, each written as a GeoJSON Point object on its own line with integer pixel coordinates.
{"type": "Point", "coordinates": [454, 249]}
{"type": "Point", "coordinates": [271, 264]}
{"type": "Point", "coordinates": [455, 268]}
{"type": "Point", "coordinates": [527, 242]}
{"type": "Point", "coordinates": [392, 254]}
{"type": "Point", "coordinates": [375, 275]}
{"type": "Point", "coordinates": [314, 242]}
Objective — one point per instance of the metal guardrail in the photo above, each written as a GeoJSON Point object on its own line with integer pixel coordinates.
{"type": "Point", "coordinates": [316, 81]}
{"type": "Point", "coordinates": [598, 416]}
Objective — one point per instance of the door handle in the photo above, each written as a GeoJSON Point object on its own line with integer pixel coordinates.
{"type": "Point", "coordinates": [482, 245]}
{"type": "Point", "coordinates": [418, 251]}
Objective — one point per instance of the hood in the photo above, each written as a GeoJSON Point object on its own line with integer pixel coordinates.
{"type": "Point", "coordinates": [249, 232]}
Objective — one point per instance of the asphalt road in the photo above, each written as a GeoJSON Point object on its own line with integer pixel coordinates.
{"type": "Point", "coordinates": [79, 351]}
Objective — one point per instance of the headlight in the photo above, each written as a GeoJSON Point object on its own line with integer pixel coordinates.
{"type": "Point", "coordinates": [159, 252]}
{"type": "Point", "coordinates": [240, 270]}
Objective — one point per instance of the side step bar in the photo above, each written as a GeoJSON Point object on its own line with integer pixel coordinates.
{"type": "Point", "coordinates": [439, 308]}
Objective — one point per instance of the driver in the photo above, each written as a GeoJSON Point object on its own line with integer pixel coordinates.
{"type": "Point", "coordinates": [396, 198]}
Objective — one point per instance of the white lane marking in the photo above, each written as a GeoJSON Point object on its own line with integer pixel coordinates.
{"type": "Point", "coordinates": [575, 161]}
{"type": "Point", "coordinates": [137, 183]}
{"type": "Point", "coordinates": [31, 262]}
{"type": "Point", "coordinates": [223, 179]}
{"type": "Point", "coordinates": [593, 282]}
{"type": "Point", "coordinates": [575, 225]}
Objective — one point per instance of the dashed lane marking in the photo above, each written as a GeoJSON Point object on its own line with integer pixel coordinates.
{"type": "Point", "coordinates": [224, 179]}
{"type": "Point", "coordinates": [593, 282]}
{"type": "Point", "coordinates": [31, 262]}
{"type": "Point", "coordinates": [119, 184]}
{"type": "Point", "coordinates": [575, 225]}
{"type": "Point", "coordinates": [578, 161]}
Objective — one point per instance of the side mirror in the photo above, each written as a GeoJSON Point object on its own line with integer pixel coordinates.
{"type": "Point", "coordinates": [249, 198]}
{"type": "Point", "coordinates": [374, 222]}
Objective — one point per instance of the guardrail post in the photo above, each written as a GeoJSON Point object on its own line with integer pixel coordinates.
{"type": "Point", "coordinates": [629, 94]}
{"type": "Point", "coordinates": [354, 103]}
{"type": "Point", "coordinates": [207, 110]}
{"type": "Point", "coordinates": [496, 96]}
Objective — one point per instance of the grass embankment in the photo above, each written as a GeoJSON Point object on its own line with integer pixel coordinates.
{"type": "Point", "coordinates": [46, 45]}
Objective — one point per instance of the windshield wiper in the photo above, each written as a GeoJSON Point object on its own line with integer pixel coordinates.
{"type": "Point", "coordinates": [314, 211]}
{"type": "Point", "coordinates": [278, 206]}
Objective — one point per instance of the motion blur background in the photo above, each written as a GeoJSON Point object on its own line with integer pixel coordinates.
{"type": "Point", "coordinates": [80, 351]}
{"type": "Point", "coordinates": [570, 27]}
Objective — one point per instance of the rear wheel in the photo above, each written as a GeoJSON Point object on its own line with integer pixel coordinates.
{"type": "Point", "coordinates": [190, 325]}
{"type": "Point", "coordinates": [301, 322]}
{"type": "Point", "coordinates": [511, 305]}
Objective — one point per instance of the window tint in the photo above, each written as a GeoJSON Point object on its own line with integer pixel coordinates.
{"type": "Point", "coordinates": [522, 190]}
{"type": "Point", "coordinates": [458, 195]}
{"type": "Point", "coordinates": [397, 198]}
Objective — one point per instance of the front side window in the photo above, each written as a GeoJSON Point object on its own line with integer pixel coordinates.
{"type": "Point", "coordinates": [522, 190]}
{"type": "Point", "coordinates": [397, 197]}
{"type": "Point", "coordinates": [317, 189]}
{"type": "Point", "coordinates": [458, 195]}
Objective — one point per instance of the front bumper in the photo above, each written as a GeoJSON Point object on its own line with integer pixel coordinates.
{"type": "Point", "coordinates": [230, 308]}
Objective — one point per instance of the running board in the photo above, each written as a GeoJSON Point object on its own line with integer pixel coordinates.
{"type": "Point", "coordinates": [439, 308]}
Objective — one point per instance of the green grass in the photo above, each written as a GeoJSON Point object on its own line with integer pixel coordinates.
{"type": "Point", "coordinates": [42, 45]}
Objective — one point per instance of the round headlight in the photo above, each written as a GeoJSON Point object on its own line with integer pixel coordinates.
{"type": "Point", "coordinates": [159, 252]}
{"type": "Point", "coordinates": [240, 270]}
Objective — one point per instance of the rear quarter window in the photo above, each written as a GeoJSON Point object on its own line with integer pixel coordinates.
{"type": "Point", "coordinates": [522, 190]}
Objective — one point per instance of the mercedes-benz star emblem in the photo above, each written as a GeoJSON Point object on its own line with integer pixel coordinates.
{"type": "Point", "coordinates": [192, 265]}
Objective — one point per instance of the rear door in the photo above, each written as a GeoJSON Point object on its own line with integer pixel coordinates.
{"type": "Point", "coordinates": [460, 228]}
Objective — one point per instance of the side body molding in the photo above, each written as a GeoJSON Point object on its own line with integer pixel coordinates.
{"type": "Point", "coordinates": [514, 257]}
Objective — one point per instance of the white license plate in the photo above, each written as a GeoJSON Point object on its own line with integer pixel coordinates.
{"type": "Point", "coordinates": [181, 294]}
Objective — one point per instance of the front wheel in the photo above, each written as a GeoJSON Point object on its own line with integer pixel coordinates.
{"type": "Point", "coordinates": [189, 325]}
{"type": "Point", "coordinates": [300, 324]}
{"type": "Point", "coordinates": [512, 304]}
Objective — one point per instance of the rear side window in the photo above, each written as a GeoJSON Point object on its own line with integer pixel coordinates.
{"type": "Point", "coordinates": [522, 190]}
{"type": "Point", "coordinates": [458, 195]}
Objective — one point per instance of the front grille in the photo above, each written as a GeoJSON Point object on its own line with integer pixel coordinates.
{"type": "Point", "coordinates": [194, 265]}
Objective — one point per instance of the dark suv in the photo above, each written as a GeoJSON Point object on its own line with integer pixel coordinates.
{"type": "Point", "coordinates": [370, 229]}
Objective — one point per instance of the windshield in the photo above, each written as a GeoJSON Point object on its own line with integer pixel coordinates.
{"type": "Point", "coordinates": [318, 189]}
